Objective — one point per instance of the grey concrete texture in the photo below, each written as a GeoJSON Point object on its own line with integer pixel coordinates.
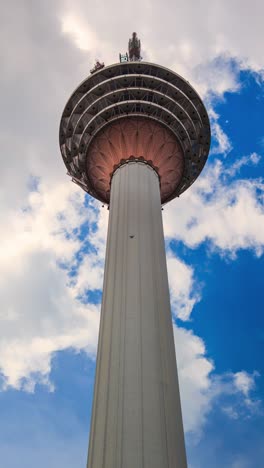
{"type": "Point", "coordinates": [136, 419]}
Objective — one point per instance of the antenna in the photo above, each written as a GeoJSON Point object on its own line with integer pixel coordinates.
{"type": "Point", "coordinates": [134, 48]}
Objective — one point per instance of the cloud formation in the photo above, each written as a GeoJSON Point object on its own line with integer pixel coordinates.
{"type": "Point", "coordinates": [227, 213]}
{"type": "Point", "coordinates": [47, 266]}
{"type": "Point", "coordinates": [202, 388]}
{"type": "Point", "coordinates": [40, 313]}
{"type": "Point", "coordinates": [184, 290]}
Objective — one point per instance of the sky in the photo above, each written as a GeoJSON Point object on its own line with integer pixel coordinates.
{"type": "Point", "coordinates": [53, 234]}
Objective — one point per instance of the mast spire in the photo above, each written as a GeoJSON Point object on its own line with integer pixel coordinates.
{"type": "Point", "coordinates": [134, 48]}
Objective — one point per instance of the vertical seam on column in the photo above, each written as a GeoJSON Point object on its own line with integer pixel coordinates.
{"type": "Point", "coordinates": [99, 354]}
{"type": "Point", "coordinates": [165, 355]}
{"type": "Point", "coordinates": [163, 415]}
{"type": "Point", "coordinates": [140, 312]}
{"type": "Point", "coordinates": [120, 389]}
{"type": "Point", "coordinates": [124, 323]}
{"type": "Point", "coordinates": [161, 238]}
{"type": "Point", "coordinates": [110, 351]}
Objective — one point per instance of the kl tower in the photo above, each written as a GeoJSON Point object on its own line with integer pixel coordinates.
{"type": "Point", "coordinates": [135, 135]}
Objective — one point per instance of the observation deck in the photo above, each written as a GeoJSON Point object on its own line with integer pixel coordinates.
{"type": "Point", "coordinates": [134, 111]}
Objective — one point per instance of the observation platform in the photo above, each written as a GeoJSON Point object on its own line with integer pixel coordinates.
{"type": "Point", "coordinates": [134, 111]}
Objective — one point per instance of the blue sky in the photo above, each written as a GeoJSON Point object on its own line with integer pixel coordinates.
{"type": "Point", "coordinates": [53, 238]}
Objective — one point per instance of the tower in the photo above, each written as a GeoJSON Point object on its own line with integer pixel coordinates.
{"type": "Point", "coordinates": [135, 135]}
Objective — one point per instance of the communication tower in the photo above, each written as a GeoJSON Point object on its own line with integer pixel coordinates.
{"type": "Point", "coordinates": [135, 135]}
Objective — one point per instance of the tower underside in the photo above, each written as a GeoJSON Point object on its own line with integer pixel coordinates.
{"type": "Point", "coordinates": [136, 421]}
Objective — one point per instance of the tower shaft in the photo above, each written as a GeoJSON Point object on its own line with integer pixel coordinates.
{"type": "Point", "coordinates": [136, 421]}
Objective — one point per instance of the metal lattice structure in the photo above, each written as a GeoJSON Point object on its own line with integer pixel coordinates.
{"type": "Point", "coordinates": [134, 90]}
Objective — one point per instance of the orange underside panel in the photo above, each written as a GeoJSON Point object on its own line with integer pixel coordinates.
{"type": "Point", "coordinates": [135, 137]}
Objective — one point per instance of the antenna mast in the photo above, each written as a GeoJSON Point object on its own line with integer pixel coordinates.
{"type": "Point", "coordinates": [134, 48]}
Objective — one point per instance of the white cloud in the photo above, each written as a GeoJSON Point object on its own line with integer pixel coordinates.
{"type": "Point", "coordinates": [202, 388]}
{"type": "Point", "coordinates": [230, 412]}
{"type": "Point", "coordinates": [236, 395]}
{"type": "Point", "coordinates": [194, 370]}
{"type": "Point", "coordinates": [90, 274]}
{"type": "Point", "coordinates": [40, 317]}
{"type": "Point", "coordinates": [208, 45]}
{"type": "Point", "coordinates": [39, 313]}
{"type": "Point", "coordinates": [214, 77]}
{"type": "Point", "coordinates": [245, 382]}
{"type": "Point", "coordinates": [241, 462]}
{"type": "Point", "coordinates": [253, 159]}
{"type": "Point", "coordinates": [85, 36]}
{"type": "Point", "coordinates": [184, 291]}
{"type": "Point", "coordinates": [45, 55]}
{"type": "Point", "coordinates": [224, 145]}
{"type": "Point", "coordinates": [91, 268]}
{"type": "Point", "coordinates": [228, 213]}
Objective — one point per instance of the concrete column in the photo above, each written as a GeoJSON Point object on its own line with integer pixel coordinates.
{"type": "Point", "coordinates": [136, 421]}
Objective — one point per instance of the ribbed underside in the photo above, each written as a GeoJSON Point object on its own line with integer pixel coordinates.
{"type": "Point", "coordinates": [136, 421]}
{"type": "Point", "coordinates": [139, 138]}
